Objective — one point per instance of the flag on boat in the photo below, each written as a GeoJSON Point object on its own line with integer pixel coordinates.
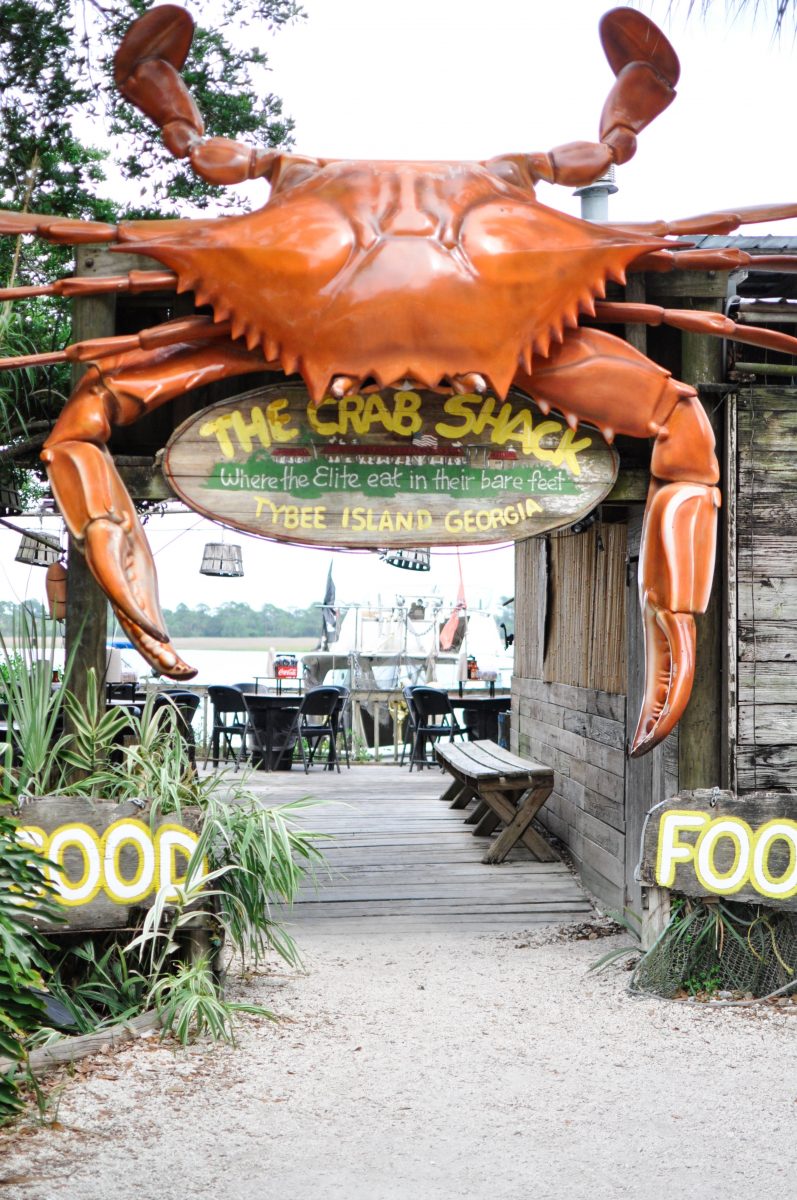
{"type": "Point", "coordinates": [329, 614]}
{"type": "Point", "coordinates": [449, 630]}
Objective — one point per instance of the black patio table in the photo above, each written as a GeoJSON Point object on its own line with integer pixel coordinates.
{"type": "Point", "coordinates": [480, 714]}
{"type": "Point", "coordinates": [269, 723]}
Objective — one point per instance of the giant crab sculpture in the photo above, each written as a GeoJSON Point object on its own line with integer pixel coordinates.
{"type": "Point", "coordinates": [450, 275]}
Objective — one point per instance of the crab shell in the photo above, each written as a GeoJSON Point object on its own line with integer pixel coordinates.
{"type": "Point", "coordinates": [395, 271]}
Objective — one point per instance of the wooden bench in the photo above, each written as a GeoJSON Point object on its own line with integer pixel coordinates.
{"type": "Point", "coordinates": [509, 790]}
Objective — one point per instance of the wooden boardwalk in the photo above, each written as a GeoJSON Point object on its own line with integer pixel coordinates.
{"type": "Point", "coordinates": [400, 858]}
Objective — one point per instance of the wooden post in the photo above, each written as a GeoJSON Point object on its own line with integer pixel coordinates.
{"type": "Point", "coordinates": [86, 606]}
{"type": "Point", "coordinates": [655, 915]}
{"type": "Point", "coordinates": [701, 727]}
{"type": "Point", "coordinates": [644, 777]}
{"type": "Point", "coordinates": [636, 335]}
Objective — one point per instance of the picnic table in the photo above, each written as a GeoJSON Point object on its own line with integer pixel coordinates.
{"type": "Point", "coordinates": [509, 790]}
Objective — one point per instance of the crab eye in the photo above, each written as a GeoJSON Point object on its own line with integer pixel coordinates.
{"type": "Point", "coordinates": [509, 170]}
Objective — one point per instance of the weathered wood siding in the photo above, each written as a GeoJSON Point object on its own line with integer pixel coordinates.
{"type": "Point", "coordinates": [574, 590]}
{"type": "Point", "coordinates": [580, 733]}
{"type": "Point", "coordinates": [766, 517]}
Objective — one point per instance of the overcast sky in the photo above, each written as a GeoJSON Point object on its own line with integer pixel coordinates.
{"type": "Point", "coordinates": [470, 79]}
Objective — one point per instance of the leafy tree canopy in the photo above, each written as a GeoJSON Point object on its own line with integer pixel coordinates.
{"type": "Point", "coordinates": [67, 138]}
{"type": "Point", "coordinates": [233, 619]}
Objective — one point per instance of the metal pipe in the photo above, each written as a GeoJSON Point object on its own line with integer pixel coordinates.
{"type": "Point", "coordinates": [595, 198]}
{"type": "Point", "coordinates": [758, 368]}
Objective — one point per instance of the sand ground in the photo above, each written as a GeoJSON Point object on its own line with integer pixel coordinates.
{"type": "Point", "coordinates": [423, 1066]}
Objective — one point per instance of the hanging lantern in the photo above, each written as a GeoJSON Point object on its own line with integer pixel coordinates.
{"type": "Point", "coordinates": [39, 550]}
{"type": "Point", "coordinates": [10, 503]}
{"type": "Point", "coordinates": [56, 591]}
{"type": "Point", "coordinates": [220, 559]}
{"type": "Point", "coordinates": [408, 560]}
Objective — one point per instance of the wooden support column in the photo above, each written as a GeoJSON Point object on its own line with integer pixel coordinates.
{"type": "Point", "coordinates": [86, 606]}
{"type": "Point", "coordinates": [701, 727]}
{"type": "Point", "coordinates": [644, 777]}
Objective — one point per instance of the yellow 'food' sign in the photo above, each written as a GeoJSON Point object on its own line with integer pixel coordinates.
{"type": "Point", "coordinates": [91, 862]}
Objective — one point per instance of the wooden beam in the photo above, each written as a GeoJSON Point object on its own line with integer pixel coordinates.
{"type": "Point", "coordinates": [703, 288]}
{"type": "Point", "coordinates": [86, 605]}
{"type": "Point", "coordinates": [701, 728]}
{"type": "Point", "coordinates": [143, 478]}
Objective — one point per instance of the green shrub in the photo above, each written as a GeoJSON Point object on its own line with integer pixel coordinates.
{"type": "Point", "coordinates": [25, 895]}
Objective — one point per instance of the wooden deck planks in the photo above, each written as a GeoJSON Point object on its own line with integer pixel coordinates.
{"type": "Point", "coordinates": [399, 859]}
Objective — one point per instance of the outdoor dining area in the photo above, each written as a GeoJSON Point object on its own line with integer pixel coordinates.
{"type": "Point", "coordinates": [273, 729]}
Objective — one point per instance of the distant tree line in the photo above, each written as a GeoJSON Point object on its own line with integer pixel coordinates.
{"type": "Point", "coordinates": [228, 620]}
{"type": "Point", "coordinates": [236, 619]}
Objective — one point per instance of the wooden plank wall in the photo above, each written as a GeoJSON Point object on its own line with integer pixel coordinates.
{"type": "Point", "coordinates": [586, 637]}
{"type": "Point", "coordinates": [577, 729]}
{"type": "Point", "coordinates": [766, 749]}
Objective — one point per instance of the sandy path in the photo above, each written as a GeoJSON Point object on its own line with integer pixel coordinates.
{"type": "Point", "coordinates": [437, 1069]}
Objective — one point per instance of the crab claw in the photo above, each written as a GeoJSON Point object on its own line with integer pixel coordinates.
{"type": "Point", "coordinates": [120, 560]}
{"type": "Point", "coordinates": [676, 567]}
{"type": "Point", "coordinates": [669, 671]}
{"type": "Point", "coordinates": [103, 523]}
{"type": "Point", "coordinates": [160, 655]}
{"type": "Point", "coordinates": [646, 69]}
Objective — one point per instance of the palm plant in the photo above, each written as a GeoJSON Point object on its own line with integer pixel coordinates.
{"type": "Point", "coordinates": [34, 710]}
{"type": "Point", "coordinates": [25, 893]}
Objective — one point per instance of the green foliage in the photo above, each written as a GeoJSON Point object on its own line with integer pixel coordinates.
{"type": "Point", "coordinates": [248, 859]}
{"type": "Point", "coordinates": [190, 1005]}
{"type": "Point", "coordinates": [56, 92]}
{"type": "Point", "coordinates": [96, 984]}
{"type": "Point", "coordinates": [34, 711]}
{"type": "Point", "coordinates": [262, 857]}
{"type": "Point", "coordinates": [224, 77]}
{"type": "Point", "coordinates": [721, 945]}
{"type": "Point", "coordinates": [235, 619]}
{"type": "Point", "coordinates": [25, 893]}
{"type": "Point", "coordinates": [631, 922]}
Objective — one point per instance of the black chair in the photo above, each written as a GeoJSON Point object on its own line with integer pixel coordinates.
{"type": "Point", "coordinates": [120, 691]}
{"type": "Point", "coordinates": [229, 722]}
{"type": "Point", "coordinates": [435, 720]}
{"type": "Point", "coordinates": [410, 725]}
{"type": "Point", "coordinates": [314, 721]}
{"type": "Point", "coordinates": [185, 705]}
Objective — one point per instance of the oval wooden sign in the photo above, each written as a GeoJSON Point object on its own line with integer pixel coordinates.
{"type": "Point", "coordinates": [391, 468]}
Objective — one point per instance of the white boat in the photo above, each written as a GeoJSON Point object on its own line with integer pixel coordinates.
{"type": "Point", "coordinates": [385, 648]}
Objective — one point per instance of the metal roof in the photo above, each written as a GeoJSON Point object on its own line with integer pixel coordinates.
{"type": "Point", "coordinates": [768, 243]}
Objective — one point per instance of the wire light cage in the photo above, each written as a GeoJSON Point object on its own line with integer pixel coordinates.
{"type": "Point", "coordinates": [10, 502]}
{"type": "Point", "coordinates": [39, 549]}
{"type": "Point", "coordinates": [408, 560]}
{"type": "Point", "coordinates": [220, 559]}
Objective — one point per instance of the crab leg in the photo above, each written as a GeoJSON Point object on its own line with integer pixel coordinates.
{"type": "Point", "coordinates": [590, 377]}
{"type": "Point", "coordinates": [146, 71]}
{"type": "Point", "coordinates": [67, 230]}
{"type": "Point", "coordinates": [722, 259]}
{"type": "Point", "coordinates": [117, 390]}
{"type": "Point", "coordinates": [134, 282]}
{"type": "Point", "coordinates": [697, 322]}
{"type": "Point", "coordinates": [187, 329]}
{"type": "Point", "coordinates": [717, 222]}
{"type": "Point", "coordinates": [646, 69]}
